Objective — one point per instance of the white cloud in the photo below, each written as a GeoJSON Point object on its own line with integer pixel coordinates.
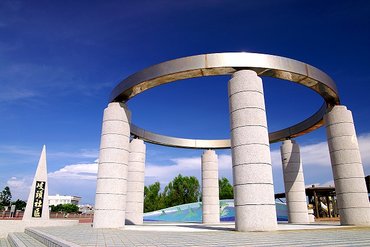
{"type": "Point", "coordinates": [84, 175]}
{"type": "Point", "coordinates": [364, 143]}
{"type": "Point", "coordinates": [186, 166]}
{"type": "Point", "coordinates": [75, 179]}
{"type": "Point", "coordinates": [314, 154]}
{"type": "Point", "coordinates": [275, 158]}
{"type": "Point", "coordinates": [318, 154]}
{"type": "Point", "coordinates": [76, 171]}
{"type": "Point", "coordinates": [224, 162]}
{"type": "Point", "coordinates": [19, 187]}
{"type": "Point", "coordinates": [329, 183]}
{"type": "Point", "coordinates": [164, 174]}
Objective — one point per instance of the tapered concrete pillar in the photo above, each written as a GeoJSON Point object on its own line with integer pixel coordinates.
{"type": "Point", "coordinates": [252, 172]}
{"type": "Point", "coordinates": [350, 186]}
{"type": "Point", "coordinates": [135, 183]}
{"type": "Point", "coordinates": [210, 190]}
{"type": "Point", "coordinates": [295, 192]}
{"type": "Point", "coordinates": [38, 200]}
{"type": "Point", "coordinates": [111, 187]}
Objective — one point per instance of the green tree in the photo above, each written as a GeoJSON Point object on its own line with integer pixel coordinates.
{"type": "Point", "coordinates": [70, 208]}
{"type": "Point", "coordinates": [56, 208]}
{"type": "Point", "coordinates": [5, 197]}
{"type": "Point", "coordinates": [66, 208]}
{"type": "Point", "coordinates": [153, 199]}
{"type": "Point", "coordinates": [181, 190]}
{"type": "Point", "coordinates": [226, 189]}
{"type": "Point", "coordinates": [19, 204]}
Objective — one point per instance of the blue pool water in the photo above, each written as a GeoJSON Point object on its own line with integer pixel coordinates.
{"type": "Point", "coordinates": [192, 212]}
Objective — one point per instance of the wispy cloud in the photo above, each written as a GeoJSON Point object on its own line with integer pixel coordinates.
{"type": "Point", "coordinates": [30, 81]}
{"type": "Point", "coordinates": [27, 151]}
{"type": "Point", "coordinates": [19, 150]}
{"type": "Point", "coordinates": [83, 153]}
{"type": "Point", "coordinates": [13, 95]}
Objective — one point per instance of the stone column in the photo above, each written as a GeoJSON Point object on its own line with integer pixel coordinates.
{"type": "Point", "coordinates": [295, 192]}
{"type": "Point", "coordinates": [350, 186]}
{"type": "Point", "coordinates": [210, 190]}
{"type": "Point", "coordinates": [111, 187]}
{"type": "Point", "coordinates": [252, 171]}
{"type": "Point", "coordinates": [135, 183]}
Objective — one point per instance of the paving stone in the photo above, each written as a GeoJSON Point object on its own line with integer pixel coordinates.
{"type": "Point", "coordinates": [4, 242]}
{"type": "Point", "coordinates": [28, 240]}
{"type": "Point", "coordinates": [86, 236]}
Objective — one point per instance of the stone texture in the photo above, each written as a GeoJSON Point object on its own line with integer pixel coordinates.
{"type": "Point", "coordinates": [135, 183]}
{"type": "Point", "coordinates": [205, 236]}
{"type": "Point", "coordinates": [9, 226]}
{"type": "Point", "coordinates": [40, 175]}
{"type": "Point", "coordinates": [252, 171]}
{"type": "Point", "coordinates": [294, 182]}
{"type": "Point", "coordinates": [110, 200]}
{"type": "Point", "coordinates": [210, 189]}
{"type": "Point", "coordinates": [350, 186]}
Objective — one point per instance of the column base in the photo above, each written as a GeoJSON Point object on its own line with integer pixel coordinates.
{"type": "Point", "coordinates": [257, 218]}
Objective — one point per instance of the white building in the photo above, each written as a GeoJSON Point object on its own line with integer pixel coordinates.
{"type": "Point", "coordinates": [58, 199]}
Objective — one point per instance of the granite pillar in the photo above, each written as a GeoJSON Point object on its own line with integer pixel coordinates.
{"type": "Point", "coordinates": [348, 173]}
{"type": "Point", "coordinates": [111, 187]}
{"type": "Point", "coordinates": [251, 160]}
{"type": "Point", "coordinates": [295, 191]}
{"type": "Point", "coordinates": [210, 188]}
{"type": "Point", "coordinates": [135, 183]}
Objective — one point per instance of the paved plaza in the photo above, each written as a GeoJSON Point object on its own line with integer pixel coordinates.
{"type": "Point", "coordinates": [200, 235]}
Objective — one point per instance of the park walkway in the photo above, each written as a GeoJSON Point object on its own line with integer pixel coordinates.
{"type": "Point", "coordinates": [200, 235]}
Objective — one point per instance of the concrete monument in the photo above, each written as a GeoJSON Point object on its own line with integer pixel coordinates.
{"type": "Point", "coordinates": [38, 204]}
{"type": "Point", "coordinates": [251, 161]}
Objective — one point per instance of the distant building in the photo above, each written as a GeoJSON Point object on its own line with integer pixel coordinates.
{"type": "Point", "coordinates": [58, 199]}
{"type": "Point", "coordinates": [86, 209]}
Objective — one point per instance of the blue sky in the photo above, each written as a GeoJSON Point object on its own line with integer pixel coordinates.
{"type": "Point", "coordinates": [59, 60]}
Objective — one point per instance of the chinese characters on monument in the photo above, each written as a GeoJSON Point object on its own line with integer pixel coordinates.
{"type": "Point", "coordinates": [39, 199]}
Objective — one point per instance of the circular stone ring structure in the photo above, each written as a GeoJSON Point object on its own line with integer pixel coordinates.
{"type": "Point", "coordinates": [223, 64]}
